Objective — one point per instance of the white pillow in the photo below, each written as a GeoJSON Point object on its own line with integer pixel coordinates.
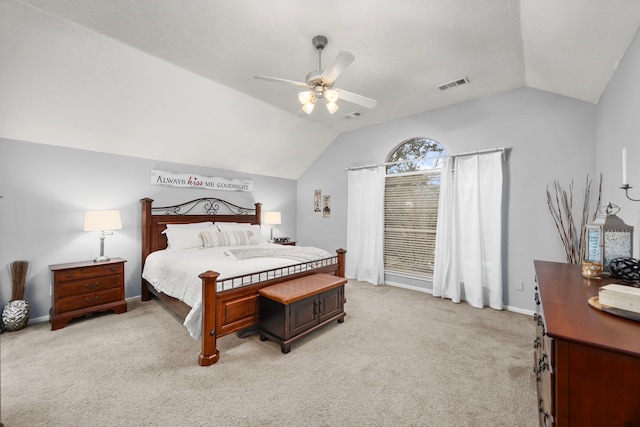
{"type": "Point", "coordinates": [224, 238]}
{"type": "Point", "coordinates": [255, 235]}
{"type": "Point", "coordinates": [184, 238]}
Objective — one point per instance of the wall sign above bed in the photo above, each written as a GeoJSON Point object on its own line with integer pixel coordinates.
{"type": "Point", "coordinates": [187, 180]}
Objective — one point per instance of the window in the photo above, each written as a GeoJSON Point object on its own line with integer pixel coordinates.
{"type": "Point", "coordinates": [412, 191]}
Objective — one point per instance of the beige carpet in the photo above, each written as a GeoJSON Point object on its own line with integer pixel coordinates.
{"type": "Point", "coordinates": [401, 358]}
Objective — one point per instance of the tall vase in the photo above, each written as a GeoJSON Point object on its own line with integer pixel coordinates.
{"type": "Point", "coordinates": [15, 315]}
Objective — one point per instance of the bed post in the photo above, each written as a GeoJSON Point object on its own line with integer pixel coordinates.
{"type": "Point", "coordinates": [258, 213]}
{"type": "Point", "coordinates": [209, 354]}
{"type": "Point", "coordinates": [145, 295]}
{"type": "Point", "coordinates": [341, 259]}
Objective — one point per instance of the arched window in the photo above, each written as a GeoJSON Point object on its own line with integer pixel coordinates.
{"type": "Point", "coordinates": [415, 155]}
{"type": "Point", "coordinates": [412, 191]}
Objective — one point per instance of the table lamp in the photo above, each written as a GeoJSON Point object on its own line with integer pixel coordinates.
{"type": "Point", "coordinates": [273, 219]}
{"type": "Point", "coordinates": [103, 221]}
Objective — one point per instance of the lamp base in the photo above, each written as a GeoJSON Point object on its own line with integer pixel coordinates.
{"type": "Point", "coordinates": [101, 258]}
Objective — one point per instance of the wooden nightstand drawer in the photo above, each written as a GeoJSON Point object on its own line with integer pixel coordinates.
{"type": "Point", "coordinates": [91, 284]}
{"type": "Point", "coordinates": [92, 299]}
{"type": "Point", "coordinates": [95, 270]}
{"type": "Point", "coordinates": [82, 288]}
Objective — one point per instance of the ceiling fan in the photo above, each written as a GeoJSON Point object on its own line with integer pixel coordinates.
{"type": "Point", "coordinates": [319, 83]}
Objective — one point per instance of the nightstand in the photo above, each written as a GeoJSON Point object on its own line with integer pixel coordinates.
{"type": "Point", "coordinates": [82, 288]}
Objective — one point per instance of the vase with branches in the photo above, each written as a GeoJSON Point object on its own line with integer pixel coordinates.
{"type": "Point", "coordinates": [560, 203]}
{"type": "Point", "coordinates": [15, 315]}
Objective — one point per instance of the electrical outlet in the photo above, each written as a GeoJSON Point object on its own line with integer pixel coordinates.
{"type": "Point", "coordinates": [519, 286]}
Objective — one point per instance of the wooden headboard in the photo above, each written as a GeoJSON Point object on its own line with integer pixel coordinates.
{"type": "Point", "coordinates": [156, 218]}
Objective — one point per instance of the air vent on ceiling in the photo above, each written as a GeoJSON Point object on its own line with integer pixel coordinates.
{"type": "Point", "coordinates": [352, 115]}
{"type": "Point", "coordinates": [454, 83]}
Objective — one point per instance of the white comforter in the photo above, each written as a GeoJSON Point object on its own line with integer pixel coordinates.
{"type": "Point", "coordinates": [175, 273]}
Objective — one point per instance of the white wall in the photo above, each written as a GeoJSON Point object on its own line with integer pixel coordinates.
{"type": "Point", "coordinates": [550, 137]}
{"type": "Point", "coordinates": [46, 190]}
{"type": "Point", "coordinates": [65, 85]}
{"type": "Point", "coordinates": [618, 126]}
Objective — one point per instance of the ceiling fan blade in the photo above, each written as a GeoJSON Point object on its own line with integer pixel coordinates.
{"type": "Point", "coordinates": [356, 99]}
{"type": "Point", "coordinates": [277, 80]}
{"type": "Point", "coordinates": [333, 71]}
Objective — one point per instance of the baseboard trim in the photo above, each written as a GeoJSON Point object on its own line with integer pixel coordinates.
{"type": "Point", "coordinates": [430, 291]}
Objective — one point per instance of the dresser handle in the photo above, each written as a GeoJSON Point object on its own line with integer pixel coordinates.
{"type": "Point", "coordinates": [92, 286]}
{"type": "Point", "coordinates": [113, 269]}
{"type": "Point", "coordinates": [96, 298]}
{"type": "Point", "coordinates": [543, 365]}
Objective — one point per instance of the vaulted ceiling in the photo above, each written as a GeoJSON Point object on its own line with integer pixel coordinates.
{"type": "Point", "coordinates": [404, 49]}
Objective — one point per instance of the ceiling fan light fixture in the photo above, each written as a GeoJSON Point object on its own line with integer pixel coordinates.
{"type": "Point", "coordinates": [308, 107]}
{"type": "Point", "coordinates": [319, 83]}
{"type": "Point", "coordinates": [331, 95]}
{"type": "Point", "coordinates": [306, 97]}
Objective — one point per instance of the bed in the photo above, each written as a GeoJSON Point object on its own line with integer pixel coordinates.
{"type": "Point", "coordinates": [219, 296]}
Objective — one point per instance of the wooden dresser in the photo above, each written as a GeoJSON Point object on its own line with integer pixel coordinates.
{"type": "Point", "coordinates": [81, 288]}
{"type": "Point", "coordinates": [587, 362]}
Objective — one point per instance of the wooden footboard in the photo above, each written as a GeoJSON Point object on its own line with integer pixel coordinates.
{"type": "Point", "coordinates": [233, 310]}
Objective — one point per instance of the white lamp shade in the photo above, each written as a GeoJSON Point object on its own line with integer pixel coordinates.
{"type": "Point", "coordinates": [308, 107]}
{"type": "Point", "coordinates": [332, 107]}
{"type": "Point", "coordinates": [306, 97]}
{"type": "Point", "coordinates": [102, 220]}
{"type": "Point", "coordinates": [273, 218]}
{"type": "Point", "coordinates": [331, 95]}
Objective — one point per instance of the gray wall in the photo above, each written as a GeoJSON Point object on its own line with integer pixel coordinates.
{"type": "Point", "coordinates": [617, 126]}
{"type": "Point", "coordinates": [550, 137]}
{"type": "Point", "coordinates": [47, 189]}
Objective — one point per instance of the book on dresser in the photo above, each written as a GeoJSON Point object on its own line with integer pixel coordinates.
{"type": "Point", "coordinates": [620, 296]}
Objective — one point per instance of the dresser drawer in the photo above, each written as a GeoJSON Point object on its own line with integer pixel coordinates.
{"type": "Point", "coordinates": [88, 272]}
{"type": "Point", "coordinates": [90, 284]}
{"type": "Point", "coordinates": [91, 299]}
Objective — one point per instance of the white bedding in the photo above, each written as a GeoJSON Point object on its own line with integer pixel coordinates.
{"type": "Point", "coordinates": [175, 273]}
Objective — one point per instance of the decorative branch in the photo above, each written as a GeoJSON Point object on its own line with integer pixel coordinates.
{"type": "Point", "coordinates": [560, 203]}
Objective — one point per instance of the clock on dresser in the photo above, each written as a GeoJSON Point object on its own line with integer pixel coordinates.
{"type": "Point", "coordinates": [86, 287]}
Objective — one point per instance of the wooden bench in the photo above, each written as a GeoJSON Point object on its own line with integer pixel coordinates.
{"type": "Point", "coordinates": [293, 309]}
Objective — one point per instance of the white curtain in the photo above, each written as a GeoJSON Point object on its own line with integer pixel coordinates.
{"type": "Point", "coordinates": [365, 225]}
{"type": "Point", "coordinates": [468, 259]}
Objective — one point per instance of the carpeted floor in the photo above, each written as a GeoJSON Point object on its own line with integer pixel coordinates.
{"type": "Point", "coordinates": [401, 358]}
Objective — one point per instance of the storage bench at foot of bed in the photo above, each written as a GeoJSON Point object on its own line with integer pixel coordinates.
{"type": "Point", "coordinates": [293, 309]}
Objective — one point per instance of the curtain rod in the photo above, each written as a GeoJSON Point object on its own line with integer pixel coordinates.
{"type": "Point", "coordinates": [468, 153]}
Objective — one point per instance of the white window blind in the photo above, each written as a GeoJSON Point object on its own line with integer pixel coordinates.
{"type": "Point", "coordinates": [411, 217]}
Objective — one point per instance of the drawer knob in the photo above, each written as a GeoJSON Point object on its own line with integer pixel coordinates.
{"type": "Point", "coordinates": [92, 285]}
{"type": "Point", "coordinates": [96, 298]}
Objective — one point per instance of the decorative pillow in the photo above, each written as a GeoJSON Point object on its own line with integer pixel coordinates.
{"type": "Point", "coordinates": [256, 235]}
{"type": "Point", "coordinates": [184, 238]}
{"type": "Point", "coordinates": [224, 238]}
